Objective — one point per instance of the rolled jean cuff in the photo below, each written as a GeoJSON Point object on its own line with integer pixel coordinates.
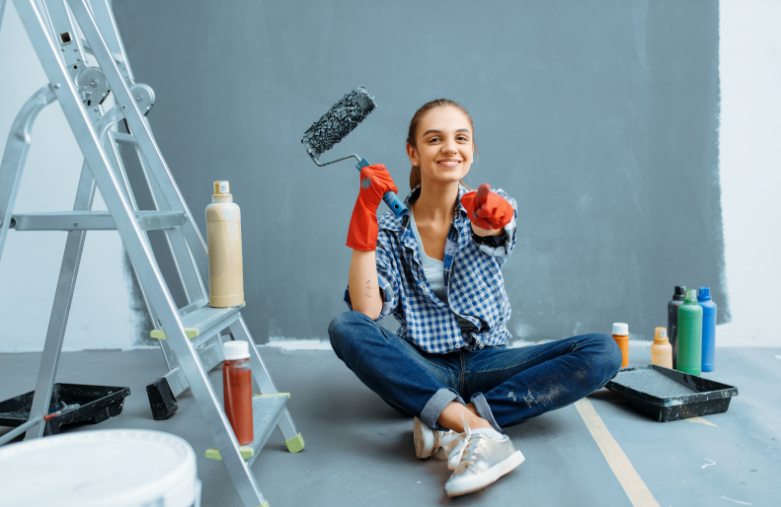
{"type": "Point", "coordinates": [436, 404]}
{"type": "Point", "coordinates": [484, 411]}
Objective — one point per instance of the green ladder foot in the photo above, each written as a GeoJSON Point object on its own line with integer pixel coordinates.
{"type": "Point", "coordinates": [295, 444]}
{"type": "Point", "coordinates": [246, 453]}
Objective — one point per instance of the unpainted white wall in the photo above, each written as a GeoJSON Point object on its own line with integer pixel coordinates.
{"type": "Point", "coordinates": [750, 169]}
{"type": "Point", "coordinates": [100, 316]}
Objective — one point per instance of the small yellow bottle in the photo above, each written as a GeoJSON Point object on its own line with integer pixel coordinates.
{"type": "Point", "coordinates": [223, 233]}
{"type": "Point", "coordinates": [661, 350]}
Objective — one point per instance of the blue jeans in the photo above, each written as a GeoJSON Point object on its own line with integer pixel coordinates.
{"type": "Point", "coordinates": [507, 386]}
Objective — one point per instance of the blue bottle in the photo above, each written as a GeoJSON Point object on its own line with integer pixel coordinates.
{"type": "Point", "coordinates": [708, 329]}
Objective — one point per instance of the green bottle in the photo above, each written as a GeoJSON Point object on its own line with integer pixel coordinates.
{"type": "Point", "coordinates": [690, 335]}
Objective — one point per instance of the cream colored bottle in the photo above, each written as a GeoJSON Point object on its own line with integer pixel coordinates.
{"type": "Point", "coordinates": [661, 350]}
{"type": "Point", "coordinates": [223, 233]}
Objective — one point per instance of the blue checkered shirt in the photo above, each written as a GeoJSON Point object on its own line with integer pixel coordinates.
{"type": "Point", "coordinates": [473, 279]}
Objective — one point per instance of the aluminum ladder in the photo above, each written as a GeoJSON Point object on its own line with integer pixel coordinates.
{"type": "Point", "coordinates": [190, 336]}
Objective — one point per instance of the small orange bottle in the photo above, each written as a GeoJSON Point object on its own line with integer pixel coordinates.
{"type": "Point", "coordinates": [621, 336]}
{"type": "Point", "coordinates": [237, 389]}
{"type": "Point", "coordinates": [661, 350]}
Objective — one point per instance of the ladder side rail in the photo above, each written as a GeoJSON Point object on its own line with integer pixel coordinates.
{"type": "Point", "coordinates": [186, 266]}
{"type": "Point", "coordinates": [63, 297]}
{"type": "Point", "coordinates": [168, 354]}
{"type": "Point", "coordinates": [65, 35]}
{"type": "Point", "coordinates": [143, 134]}
{"type": "Point", "coordinates": [104, 18]}
{"type": "Point", "coordinates": [15, 155]}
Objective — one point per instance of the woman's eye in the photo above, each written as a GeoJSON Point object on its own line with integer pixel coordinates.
{"type": "Point", "coordinates": [433, 139]}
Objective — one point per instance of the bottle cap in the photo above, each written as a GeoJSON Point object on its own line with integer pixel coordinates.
{"type": "Point", "coordinates": [703, 294]}
{"type": "Point", "coordinates": [222, 187]}
{"type": "Point", "coordinates": [620, 329]}
{"type": "Point", "coordinates": [691, 296]}
{"type": "Point", "coordinates": [680, 292]}
{"type": "Point", "coordinates": [660, 334]}
{"type": "Point", "coordinates": [235, 349]}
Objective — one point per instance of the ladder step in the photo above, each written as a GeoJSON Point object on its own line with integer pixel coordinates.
{"type": "Point", "coordinates": [266, 412]}
{"type": "Point", "coordinates": [200, 322]}
{"type": "Point", "coordinates": [93, 221]}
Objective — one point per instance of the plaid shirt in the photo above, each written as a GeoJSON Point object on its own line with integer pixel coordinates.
{"type": "Point", "coordinates": [473, 278]}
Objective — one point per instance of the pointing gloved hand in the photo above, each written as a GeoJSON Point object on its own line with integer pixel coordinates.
{"type": "Point", "coordinates": [375, 181]}
{"type": "Point", "coordinates": [486, 209]}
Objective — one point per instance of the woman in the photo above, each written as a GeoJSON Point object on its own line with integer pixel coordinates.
{"type": "Point", "coordinates": [438, 271]}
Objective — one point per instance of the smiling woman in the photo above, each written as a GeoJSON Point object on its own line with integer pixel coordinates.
{"type": "Point", "coordinates": [438, 271]}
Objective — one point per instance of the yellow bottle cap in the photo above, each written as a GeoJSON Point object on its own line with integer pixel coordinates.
{"type": "Point", "coordinates": [660, 334]}
{"type": "Point", "coordinates": [222, 187]}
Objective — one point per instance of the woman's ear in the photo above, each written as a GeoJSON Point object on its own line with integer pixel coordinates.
{"type": "Point", "coordinates": [413, 156]}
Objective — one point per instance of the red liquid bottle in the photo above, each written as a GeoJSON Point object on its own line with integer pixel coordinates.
{"type": "Point", "coordinates": [237, 389]}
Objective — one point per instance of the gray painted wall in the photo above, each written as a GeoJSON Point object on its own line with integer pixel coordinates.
{"type": "Point", "coordinates": [599, 117]}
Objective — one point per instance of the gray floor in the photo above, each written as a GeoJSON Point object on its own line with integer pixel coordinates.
{"type": "Point", "coordinates": [359, 451]}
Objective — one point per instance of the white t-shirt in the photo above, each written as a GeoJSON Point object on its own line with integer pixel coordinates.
{"type": "Point", "coordinates": [434, 269]}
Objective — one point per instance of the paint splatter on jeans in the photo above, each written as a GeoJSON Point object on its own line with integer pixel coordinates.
{"type": "Point", "coordinates": [507, 386]}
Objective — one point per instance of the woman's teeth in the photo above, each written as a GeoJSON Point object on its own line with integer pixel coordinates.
{"type": "Point", "coordinates": [449, 163]}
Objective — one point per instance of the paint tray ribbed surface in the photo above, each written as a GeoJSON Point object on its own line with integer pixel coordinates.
{"type": "Point", "coordinates": [666, 395]}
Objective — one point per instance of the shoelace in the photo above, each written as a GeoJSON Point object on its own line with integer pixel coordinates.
{"type": "Point", "coordinates": [457, 452]}
{"type": "Point", "coordinates": [467, 455]}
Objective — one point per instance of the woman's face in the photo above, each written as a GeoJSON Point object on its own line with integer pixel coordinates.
{"type": "Point", "coordinates": [444, 145]}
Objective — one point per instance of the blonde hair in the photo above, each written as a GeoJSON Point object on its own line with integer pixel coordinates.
{"type": "Point", "coordinates": [414, 175]}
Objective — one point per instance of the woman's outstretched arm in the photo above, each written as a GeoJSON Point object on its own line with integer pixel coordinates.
{"type": "Point", "coordinates": [365, 294]}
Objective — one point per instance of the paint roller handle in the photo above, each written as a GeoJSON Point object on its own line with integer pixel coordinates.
{"type": "Point", "coordinates": [391, 199]}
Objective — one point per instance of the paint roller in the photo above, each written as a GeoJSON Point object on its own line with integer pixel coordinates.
{"type": "Point", "coordinates": [334, 126]}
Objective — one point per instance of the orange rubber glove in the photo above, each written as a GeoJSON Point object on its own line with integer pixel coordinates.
{"type": "Point", "coordinates": [486, 209]}
{"type": "Point", "coordinates": [375, 181]}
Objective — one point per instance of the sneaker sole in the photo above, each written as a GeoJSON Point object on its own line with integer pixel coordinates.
{"type": "Point", "coordinates": [424, 441]}
{"type": "Point", "coordinates": [487, 478]}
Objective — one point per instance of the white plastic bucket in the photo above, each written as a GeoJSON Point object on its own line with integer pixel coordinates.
{"type": "Point", "coordinates": [120, 468]}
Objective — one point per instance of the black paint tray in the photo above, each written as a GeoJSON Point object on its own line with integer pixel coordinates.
{"type": "Point", "coordinates": [98, 403]}
{"type": "Point", "coordinates": [666, 395]}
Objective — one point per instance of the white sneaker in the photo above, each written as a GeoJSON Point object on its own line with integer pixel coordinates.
{"type": "Point", "coordinates": [430, 442]}
{"type": "Point", "coordinates": [480, 461]}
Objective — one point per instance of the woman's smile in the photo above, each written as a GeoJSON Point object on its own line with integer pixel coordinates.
{"type": "Point", "coordinates": [449, 162]}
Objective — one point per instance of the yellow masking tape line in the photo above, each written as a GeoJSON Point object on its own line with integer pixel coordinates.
{"type": "Point", "coordinates": [627, 476]}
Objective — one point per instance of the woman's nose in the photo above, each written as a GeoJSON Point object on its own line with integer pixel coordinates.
{"type": "Point", "coordinates": [449, 149]}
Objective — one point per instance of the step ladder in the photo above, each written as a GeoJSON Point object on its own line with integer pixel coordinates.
{"type": "Point", "coordinates": [190, 336]}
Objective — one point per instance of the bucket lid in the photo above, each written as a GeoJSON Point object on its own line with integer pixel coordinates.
{"type": "Point", "coordinates": [119, 467]}
{"type": "Point", "coordinates": [236, 349]}
{"type": "Point", "coordinates": [620, 329]}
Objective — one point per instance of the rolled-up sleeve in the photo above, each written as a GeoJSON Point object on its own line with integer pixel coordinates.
{"type": "Point", "coordinates": [387, 277]}
{"type": "Point", "coordinates": [500, 246]}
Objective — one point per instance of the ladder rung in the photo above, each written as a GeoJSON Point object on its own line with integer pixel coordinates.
{"type": "Point", "coordinates": [200, 322]}
{"type": "Point", "coordinates": [266, 412]}
{"type": "Point", "coordinates": [93, 221]}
